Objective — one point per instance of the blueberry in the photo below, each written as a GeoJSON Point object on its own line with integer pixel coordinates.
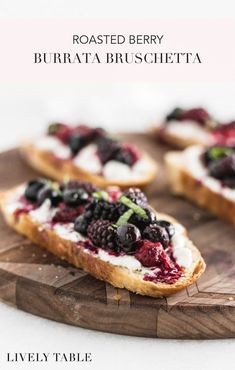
{"type": "Point", "coordinates": [75, 197]}
{"type": "Point", "coordinates": [49, 193]}
{"type": "Point", "coordinates": [81, 224]}
{"type": "Point", "coordinates": [33, 188]}
{"type": "Point", "coordinates": [128, 237]}
{"type": "Point", "coordinates": [156, 233]}
{"type": "Point", "coordinates": [168, 226]}
{"type": "Point", "coordinates": [223, 168]}
{"type": "Point", "coordinates": [77, 142]}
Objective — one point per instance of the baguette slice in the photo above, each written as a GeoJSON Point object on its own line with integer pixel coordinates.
{"type": "Point", "coordinates": [186, 177]}
{"type": "Point", "coordinates": [49, 165]}
{"type": "Point", "coordinates": [75, 253]}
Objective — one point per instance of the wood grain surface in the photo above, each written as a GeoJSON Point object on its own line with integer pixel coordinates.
{"type": "Point", "coordinates": [35, 281]}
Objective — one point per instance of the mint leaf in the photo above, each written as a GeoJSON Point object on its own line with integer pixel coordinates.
{"type": "Point", "coordinates": [134, 207]}
{"type": "Point", "coordinates": [100, 195]}
{"type": "Point", "coordinates": [219, 152]}
{"type": "Point", "coordinates": [123, 219]}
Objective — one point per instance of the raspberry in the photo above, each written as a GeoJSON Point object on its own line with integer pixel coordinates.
{"type": "Point", "coordinates": [199, 115]}
{"type": "Point", "coordinates": [127, 154]}
{"type": "Point", "coordinates": [103, 235]}
{"type": "Point", "coordinates": [61, 131]}
{"type": "Point", "coordinates": [156, 233]}
{"type": "Point", "coordinates": [153, 255]}
{"type": "Point", "coordinates": [225, 134]}
{"type": "Point", "coordinates": [136, 195]}
{"type": "Point", "coordinates": [67, 214]}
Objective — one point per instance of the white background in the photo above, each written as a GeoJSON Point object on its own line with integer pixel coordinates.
{"type": "Point", "coordinates": [24, 110]}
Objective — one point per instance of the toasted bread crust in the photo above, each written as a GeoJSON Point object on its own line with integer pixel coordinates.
{"type": "Point", "coordinates": [183, 183]}
{"type": "Point", "coordinates": [46, 163]}
{"type": "Point", "coordinates": [120, 277]}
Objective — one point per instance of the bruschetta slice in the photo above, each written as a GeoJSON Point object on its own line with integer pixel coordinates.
{"type": "Point", "coordinates": [115, 236]}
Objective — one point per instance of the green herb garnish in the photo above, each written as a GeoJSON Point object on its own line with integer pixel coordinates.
{"type": "Point", "coordinates": [123, 219]}
{"type": "Point", "coordinates": [100, 195]}
{"type": "Point", "coordinates": [219, 152]}
{"type": "Point", "coordinates": [134, 207]}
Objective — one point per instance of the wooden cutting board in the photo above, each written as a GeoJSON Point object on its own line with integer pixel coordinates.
{"type": "Point", "coordinates": [35, 281]}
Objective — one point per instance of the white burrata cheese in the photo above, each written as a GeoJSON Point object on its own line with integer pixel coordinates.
{"type": "Point", "coordinates": [88, 160]}
{"type": "Point", "coordinates": [52, 144]}
{"type": "Point", "coordinates": [188, 130]}
{"type": "Point", "coordinates": [67, 232]}
{"type": "Point", "coordinates": [129, 262]}
{"type": "Point", "coordinates": [191, 160]}
{"type": "Point", "coordinates": [114, 170]}
{"type": "Point", "coordinates": [44, 213]}
{"type": "Point", "coordinates": [181, 252]}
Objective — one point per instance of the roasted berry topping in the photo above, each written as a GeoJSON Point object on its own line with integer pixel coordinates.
{"type": "Point", "coordinates": [128, 238]}
{"type": "Point", "coordinates": [49, 192]}
{"type": "Point", "coordinates": [136, 195]}
{"type": "Point", "coordinates": [81, 224]}
{"type": "Point", "coordinates": [75, 197]}
{"type": "Point", "coordinates": [107, 149]}
{"type": "Point", "coordinates": [215, 153]}
{"type": "Point", "coordinates": [156, 233]}
{"type": "Point", "coordinates": [224, 134]}
{"type": "Point", "coordinates": [103, 235]}
{"type": "Point", "coordinates": [102, 209]}
{"type": "Point", "coordinates": [67, 214]}
{"type": "Point", "coordinates": [151, 254]}
{"type": "Point", "coordinates": [176, 114]}
{"type": "Point", "coordinates": [61, 131]}
{"type": "Point", "coordinates": [76, 184]}
{"type": "Point", "coordinates": [223, 168]}
{"type": "Point", "coordinates": [168, 226]}
{"type": "Point", "coordinates": [33, 188]}
{"type": "Point", "coordinates": [198, 115]}
{"type": "Point", "coordinates": [127, 154]}
{"type": "Point", "coordinates": [141, 222]}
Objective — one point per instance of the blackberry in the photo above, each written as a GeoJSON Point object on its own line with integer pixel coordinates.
{"type": "Point", "coordinates": [107, 148]}
{"type": "Point", "coordinates": [33, 188]}
{"type": "Point", "coordinates": [223, 168]}
{"type": "Point", "coordinates": [103, 235]}
{"type": "Point", "coordinates": [156, 233]}
{"type": "Point", "coordinates": [175, 114]}
{"type": "Point", "coordinates": [75, 197]}
{"type": "Point", "coordinates": [137, 196]}
{"type": "Point", "coordinates": [102, 209]}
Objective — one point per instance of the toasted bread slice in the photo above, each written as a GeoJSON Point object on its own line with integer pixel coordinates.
{"type": "Point", "coordinates": [48, 164]}
{"type": "Point", "coordinates": [108, 270]}
{"type": "Point", "coordinates": [185, 179]}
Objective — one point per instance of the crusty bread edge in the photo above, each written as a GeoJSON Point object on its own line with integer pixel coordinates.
{"type": "Point", "coordinates": [118, 276]}
{"type": "Point", "coordinates": [47, 164]}
{"type": "Point", "coordinates": [181, 182]}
